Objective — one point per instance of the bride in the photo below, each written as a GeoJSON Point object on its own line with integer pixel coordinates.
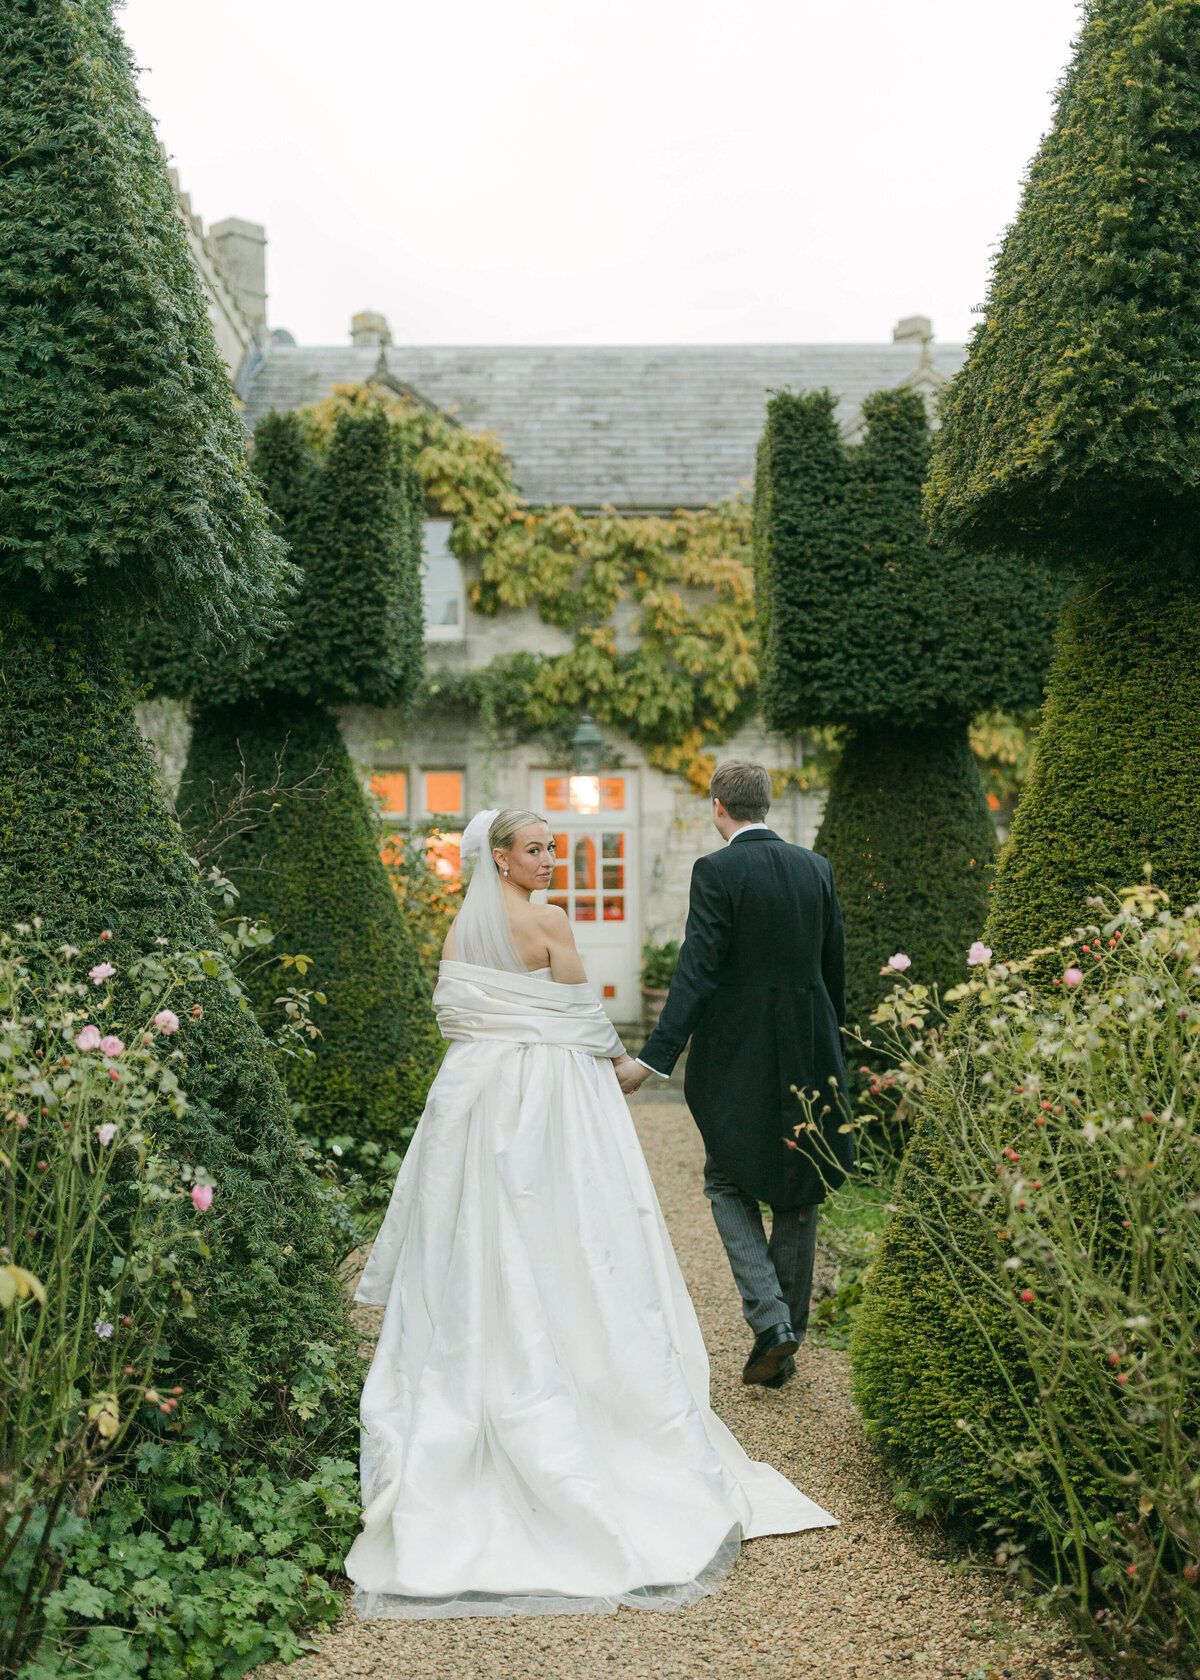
{"type": "Point", "coordinates": [536, 1434]}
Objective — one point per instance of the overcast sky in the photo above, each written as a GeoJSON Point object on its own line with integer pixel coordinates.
{"type": "Point", "coordinates": [632, 171]}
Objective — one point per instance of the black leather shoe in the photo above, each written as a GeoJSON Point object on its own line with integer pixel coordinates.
{"type": "Point", "coordinates": [769, 1352]}
{"type": "Point", "coordinates": [786, 1370]}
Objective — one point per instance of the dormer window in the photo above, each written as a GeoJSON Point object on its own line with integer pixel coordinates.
{"type": "Point", "coordinates": [444, 592]}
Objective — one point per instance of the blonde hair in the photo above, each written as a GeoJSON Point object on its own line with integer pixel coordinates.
{"type": "Point", "coordinates": [506, 825]}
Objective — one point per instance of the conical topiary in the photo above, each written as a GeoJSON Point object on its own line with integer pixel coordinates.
{"type": "Point", "coordinates": [124, 488]}
{"type": "Point", "coordinates": [1072, 430]}
{"type": "Point", "coordinates": [312, 870]}
{"type": "Point", "coordinates": [866, 625]}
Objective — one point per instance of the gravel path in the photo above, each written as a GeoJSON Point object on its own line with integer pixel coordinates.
{"type": "Point", "coordinates": [869, 1599]}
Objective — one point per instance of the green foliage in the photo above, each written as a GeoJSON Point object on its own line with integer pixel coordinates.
{"type": "Point", "coordinates": [174, 1581]}
{"type": "Point", "coordinates": [351, 513]}
{"type": "Point", "coordinates": [1073, 431]}
{"type": "Point", "coordinates": [867, 623]}
{"type": "Point", "coordinates": [658, 965]}
{"type": "Point", "coordinates": [99, 1245]}
{"type": "Point", "coordinates": [1025, 1350]}
{"type": "Point", "coordinates": [852, 1223]}
{"type": "Point", "coordinates": [909, 836]}
{"type": "Point", "coordinates": [87, 844]}
{"type": "Point", "coordinates": [124, 471]}
{"type": "Point", "coordinates": [691, 679]}
{"type": "Point", "coordinates": [310, 869]}
{"type": "Point", "coordinates": [1116, 779]}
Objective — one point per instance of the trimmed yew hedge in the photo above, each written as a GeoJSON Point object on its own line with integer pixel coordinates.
{"type": "Point", "coordinates": [866, 625]}
{"type": "Point", "coordinates": [1072, 430]}
{"type": "Point", "coordinates": [910, 837]}
{"type": "Point", "coordinates": [312, 873]}
{"type": "Point", "coordinates": [351, 513]}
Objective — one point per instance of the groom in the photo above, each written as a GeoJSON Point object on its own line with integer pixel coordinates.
{"type": "Point", "coordinates": [760, 991]}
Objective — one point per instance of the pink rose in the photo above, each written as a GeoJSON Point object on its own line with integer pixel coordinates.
{"type": "Point", "coordinates": [899, 963]}
{"type": "Point", "coordinates": [112, 1045]}
{"type": "Point", "coordinates": [101, 972]}
{"type": "Point", "coordinates": [202, 1197]}
{"type": "Point", "coordinates": [979, 953]}
{"type": "Point", "coordinates": [107, 1132]}
{"type": "Point", "coordinates": [1073, 976]}
{"type": "Point", "coordinates": [88, 1038]}
{"type": "Point", "coordinates": [167, 1022]}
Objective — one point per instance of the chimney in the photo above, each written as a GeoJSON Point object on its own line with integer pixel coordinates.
{"type": "Point", "coordinates": [242, 247]}
{"type": "Point", "coordinates": [918, 328]}
{"type": "Point", "coordinates": [369, 327]}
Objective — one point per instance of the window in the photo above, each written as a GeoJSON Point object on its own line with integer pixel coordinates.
{"type": "Point", "coordinates": [445, 597]}
{"type": "Point", "coordinates": [579, 858]}
{"type": "Point", "coordinates": [390, 787]}
{"type": "Point", "coordinates": [443, 793]}
{"type": "Point", "coordinates": [584, 794]}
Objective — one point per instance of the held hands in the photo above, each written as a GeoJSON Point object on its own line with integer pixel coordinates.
{"type": "Point", "coordinates": [630, 1074]}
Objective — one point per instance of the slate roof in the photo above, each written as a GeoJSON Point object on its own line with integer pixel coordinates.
{"type": "Point", "coordinates": [639, 426]}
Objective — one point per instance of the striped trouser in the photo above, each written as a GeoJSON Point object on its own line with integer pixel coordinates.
{"type": "Point", "coordinates": [774, 1276]}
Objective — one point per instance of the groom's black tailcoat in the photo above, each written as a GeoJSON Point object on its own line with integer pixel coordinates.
{"type": "Point", "coordinates": [761, 991]}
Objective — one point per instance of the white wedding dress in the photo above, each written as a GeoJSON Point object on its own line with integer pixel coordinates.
{"type": "Point", "coordinates": [536, 1433]}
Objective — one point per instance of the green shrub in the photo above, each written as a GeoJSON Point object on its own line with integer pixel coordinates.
{"type": "Point", "coordinates": [910, 838]}
{"type": "Point", "coordinates": [867, 623]}
{"type": "Point", "coordinates": [867, 626]}
{"type": "Point", "coordinates": [87, 844]}
{"type": "Point", "coordinates": [351, 514]}
{"type": "Point", "coordinates": [124, 469]}
{"type": "Point", "coordinates": [1073, 431]}
{"type": "Point", "coordinates": [310, 866]}
{"type": "Point", "coordinates": [1116, 778]}
{"type": "Point", "coordinates": [658, 964]}
{"type": "Point", "coordinates": [1025, 1350]}
{"type": "Point", "coordinates": [311, 870]}
{"type": "Point", "coordinates": [136, 1603]}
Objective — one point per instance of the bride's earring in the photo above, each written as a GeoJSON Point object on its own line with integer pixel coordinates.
{"type": "Point", "coordinates": [505, 874]}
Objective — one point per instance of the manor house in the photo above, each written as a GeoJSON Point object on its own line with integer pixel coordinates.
{"type": "Point", "coordinates": [639, 428]}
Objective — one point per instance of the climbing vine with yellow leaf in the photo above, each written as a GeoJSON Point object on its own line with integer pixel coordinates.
{"type": "Point", "coordinates": [686, 681]}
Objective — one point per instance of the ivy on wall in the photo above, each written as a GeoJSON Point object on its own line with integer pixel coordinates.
{"type": "Point", "coordinates": [690, 681]}
{"type": "Point", "coordinates": [693, 680]}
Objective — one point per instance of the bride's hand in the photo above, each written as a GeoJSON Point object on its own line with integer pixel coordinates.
{"type": "Point", "coordinates": [630, 1073]}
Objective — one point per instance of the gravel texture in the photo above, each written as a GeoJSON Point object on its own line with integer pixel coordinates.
{"type": "Point", "coordinates": [870, 1598]}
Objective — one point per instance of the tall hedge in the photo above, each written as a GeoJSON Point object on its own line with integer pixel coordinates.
{"type": "Point", "coordinates": [1071, 430]}
{"type": "Point", "coordinates": [87, 843]}
{"type": "Point", "coordinates": [867, 625]}
{"type": "Point", "coordinates": [351, 513]}
{"type": "Point", "coordinates": [910, 836]}
{"type": "Point", "coordinates": [123, 485]}
{"type": "Point", "coordinates": [123, 475]}
{"type": "Point", "coordinates": [312, 872]}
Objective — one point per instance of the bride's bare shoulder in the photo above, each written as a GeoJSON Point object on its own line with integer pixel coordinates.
{"type": "Point", "coordinates": [554, 926]}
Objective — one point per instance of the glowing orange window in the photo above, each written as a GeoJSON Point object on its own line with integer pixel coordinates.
{"type": "Point", "coordinates": [561, 865]}
{"type": "Point", "coordinates": [390, 787]}
{"type": "Point", "coordinates": [443, 791]}
{"type": "Point", "coordinates": [555, 793]}
{"type": "Point", "coordinates": [612, 793]}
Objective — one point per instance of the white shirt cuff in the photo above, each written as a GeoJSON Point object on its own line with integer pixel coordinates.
{"type": "Point", "coordinates": [641, 1063]}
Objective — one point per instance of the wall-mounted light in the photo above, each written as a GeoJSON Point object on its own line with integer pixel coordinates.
{"type": "Point", "coordinates": [587, 754]}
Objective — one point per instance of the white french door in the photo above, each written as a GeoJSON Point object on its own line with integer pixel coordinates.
{"type": "Point", "coordinates": [594, 823]}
